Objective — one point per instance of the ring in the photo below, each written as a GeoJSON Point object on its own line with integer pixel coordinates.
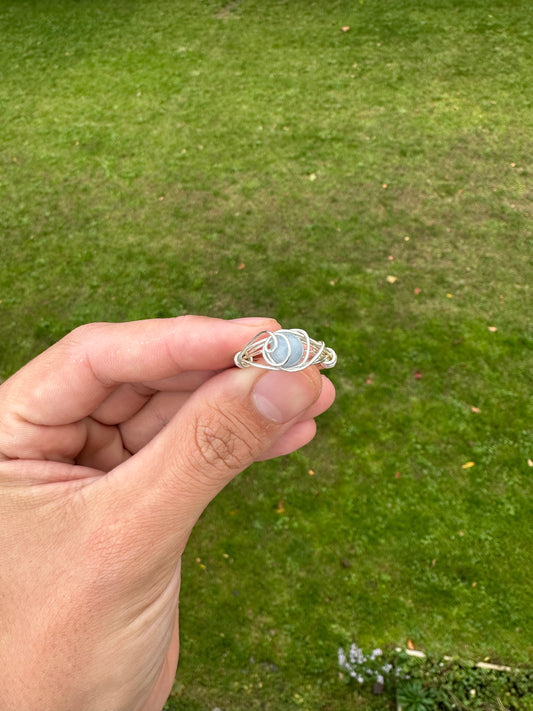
{"type": "Point", "coordinates": [289, 349]}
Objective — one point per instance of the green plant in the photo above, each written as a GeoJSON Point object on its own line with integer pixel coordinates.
{"type": "Point", "coordinates": [418, 682]}
{"type": "Point", "coordinates": [413, 696]}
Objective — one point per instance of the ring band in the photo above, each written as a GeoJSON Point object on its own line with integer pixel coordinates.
{"type": "Point", "coordinates": [289, 349]}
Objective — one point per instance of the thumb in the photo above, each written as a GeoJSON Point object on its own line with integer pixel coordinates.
{"type": "Point", "coordinates": [228, 423]}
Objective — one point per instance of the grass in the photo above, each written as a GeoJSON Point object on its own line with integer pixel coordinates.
{"type": "Point", "coordinates": [372, 186]}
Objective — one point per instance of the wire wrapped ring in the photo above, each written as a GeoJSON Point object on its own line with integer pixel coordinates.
{"type": "Point", "coordinates": [289, 349]}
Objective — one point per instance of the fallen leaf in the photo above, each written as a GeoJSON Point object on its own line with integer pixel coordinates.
{"type": "Point", "coordinates": [468, 465]}
{"type": "Point", "coordinates": [417, 375]}
{"type": "Point", "coordinates": [241, 266]}
{"type": "Point", "coordinates": [397, 475]}
{"type": "Point", "coordinates": [530, 462]}
{"type": "Point", "coordinates": [390, 258]}
{"type": "Point", "coordinates": [346, 28]}
{"type": "Point", "coordinates": [311, 472]}
{"type": "Point", "coordinates": [417, 290]}
{"type": "Point", "coordinates": [475, 409]}
{"type": "Point", "coordinates": [384, 186]}
{"type": "Point", "coordinates": [449, 296]}
{"type": "Point", "coordinates": [312, 177]}
{"type": "Point", "coordinates": [392, 279]}
{"type": "Point", "coordinates": [281, 507]}
{"type": "Point", "coordinates": [492, 329]}
{"type": "Point", "coordinates": [410, 645]}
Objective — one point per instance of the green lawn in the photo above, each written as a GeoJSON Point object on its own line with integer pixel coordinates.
{"type": "Point", "coordinates": [372, 186]}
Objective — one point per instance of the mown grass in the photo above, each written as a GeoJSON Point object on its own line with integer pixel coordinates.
{"type": "Point", "coordinates": [372, 186]}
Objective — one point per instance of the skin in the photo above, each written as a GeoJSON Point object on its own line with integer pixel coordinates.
{"type": "Point", "coordinates": [112, 443]}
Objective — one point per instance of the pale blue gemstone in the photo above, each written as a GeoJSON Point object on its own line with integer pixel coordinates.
{"type": "Point", "coordinates": [280, 353]}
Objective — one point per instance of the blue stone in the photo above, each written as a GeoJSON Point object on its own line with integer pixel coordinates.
{"type": "Point", "coordinates": [286, 342]}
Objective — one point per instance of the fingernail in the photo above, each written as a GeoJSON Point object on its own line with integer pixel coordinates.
{"type": "Point", "coordinates": [282, 396]}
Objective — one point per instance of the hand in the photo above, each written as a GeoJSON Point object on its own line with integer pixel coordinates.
{"type": "Point", "coordinates": [112, 443]}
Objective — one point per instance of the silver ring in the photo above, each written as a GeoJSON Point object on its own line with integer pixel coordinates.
{"type": "Point", "coordinates": [289, 349]}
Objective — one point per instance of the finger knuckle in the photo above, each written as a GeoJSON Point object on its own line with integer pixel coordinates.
{"type": "Point", "coordinates": [224, 442]}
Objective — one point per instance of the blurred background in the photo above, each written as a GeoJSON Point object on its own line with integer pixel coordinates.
{"type": "Point", "coordinates": [361, 170]}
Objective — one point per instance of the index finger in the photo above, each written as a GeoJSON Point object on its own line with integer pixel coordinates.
{"type": "Point", "coordinates": [70, 379]}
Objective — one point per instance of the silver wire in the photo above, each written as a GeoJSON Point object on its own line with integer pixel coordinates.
{"type": "Point", "coordinates": [266, 342]}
